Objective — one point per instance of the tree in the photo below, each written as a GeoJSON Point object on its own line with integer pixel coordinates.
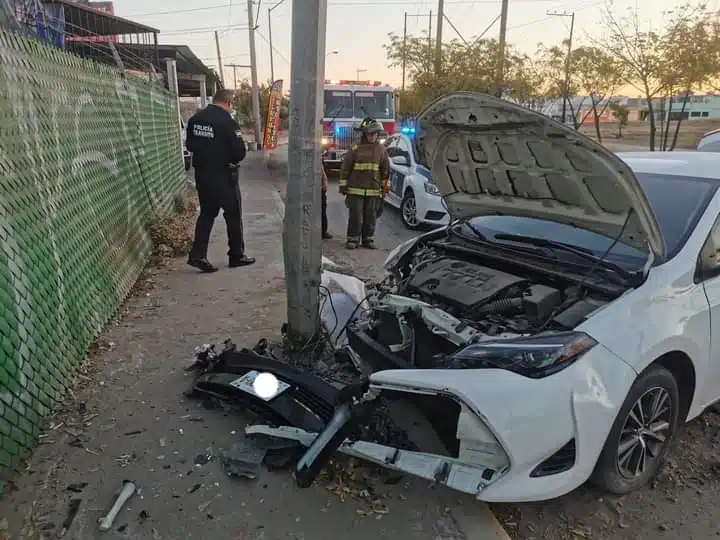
{"type": "Point", "coordinates": [641, 53]}
{"type": "Point", "coordinates": [552, 62]}
{"type": "Point", "coordinates": [243, 103]}
{"type": "Point", "coordinates": [691, 64]}
{"type": "Point", "coordinates": [598, 75]}
{"type": "Point", "coordinates": [465, 66]}
{"type": "Point", "coordinates": [620, 113]}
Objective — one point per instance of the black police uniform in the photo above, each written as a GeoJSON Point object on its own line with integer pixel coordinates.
{"type": "Point", "coordinates": [214, 139]}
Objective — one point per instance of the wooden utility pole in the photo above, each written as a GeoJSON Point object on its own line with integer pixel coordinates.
{"type": "Point", "coordinates": [220, 64]}
{"type": "Point", "coordinates": [566, 83]}
{"type": "Point", "coordinates": [405, 40]}
{"type": "Point", "coordinates": [500, 76]}
{"type": "Point", "coordinates": [302, 245]}
{"type": "Point", "coordinates": [404, 60]}
{"type": "Point", "coordinates": [272, 58]}
{"type": "Point", "coordinates": [430, 33]}
{"type": "Point", "coordinates": [438, 39]}
{"type": "Point", "coordinates": [234, 68]}
{"type": "Point", "coordinates": [254, 78]}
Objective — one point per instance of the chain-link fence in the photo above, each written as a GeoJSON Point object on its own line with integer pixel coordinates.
{"type": "Point", "coordinates": [87, 158]}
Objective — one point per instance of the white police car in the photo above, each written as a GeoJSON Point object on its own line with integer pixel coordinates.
{"type": "Point", "coordinates": [411, 187]}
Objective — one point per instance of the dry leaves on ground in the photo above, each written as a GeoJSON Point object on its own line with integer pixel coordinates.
{"type": "Point", "coordinates": [171, 234]}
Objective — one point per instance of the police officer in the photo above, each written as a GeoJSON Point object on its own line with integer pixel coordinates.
{"type": "Point", "coordinates": [213, 137]}
{"type": "Point", "coordinates": [364, 180]}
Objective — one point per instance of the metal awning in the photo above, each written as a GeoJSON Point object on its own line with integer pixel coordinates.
{"type": "Point", "coordinates": [84, 21]}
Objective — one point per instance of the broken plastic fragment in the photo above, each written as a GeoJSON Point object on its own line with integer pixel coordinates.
{"type": "Point", "coordinates": [243, 459]}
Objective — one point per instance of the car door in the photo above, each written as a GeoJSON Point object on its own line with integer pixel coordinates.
{"type": "Point", "coordinates": [708, 273]}
{"type": "Point", "coordinates": [395, 176]}
{"type": "Point", "coordinates": [401, 163]}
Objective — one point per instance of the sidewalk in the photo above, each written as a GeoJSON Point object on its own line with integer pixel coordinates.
{"type": "Point", "coordinates": [133, 423]}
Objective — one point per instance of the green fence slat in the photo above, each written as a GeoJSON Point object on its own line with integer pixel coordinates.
{"type": "Point", "coordinates": [87, 159]}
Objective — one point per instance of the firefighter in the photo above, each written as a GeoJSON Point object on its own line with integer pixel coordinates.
{"type": "Point", "coordinates": [213, 137]}
{"type": "Point", "coordinates": [364, 180]}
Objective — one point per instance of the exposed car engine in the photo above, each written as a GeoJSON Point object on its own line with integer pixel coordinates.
{"type": "Point", "coordinates": [445, 301]}
{"type": "Point", "coordinates": [492, 300]}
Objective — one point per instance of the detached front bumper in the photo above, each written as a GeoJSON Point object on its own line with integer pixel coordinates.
{"type": "Point", "coordinates": [512, 438]}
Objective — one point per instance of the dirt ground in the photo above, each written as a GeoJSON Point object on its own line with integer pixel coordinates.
{"type": "Point", "coordinates": [638, 133]}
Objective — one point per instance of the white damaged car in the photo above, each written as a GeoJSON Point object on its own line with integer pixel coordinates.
{"type": "Point", "coordinates": [560, 328]}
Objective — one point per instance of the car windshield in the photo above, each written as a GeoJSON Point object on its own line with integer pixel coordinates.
{"type": "Point", "coordinates": [677, 203]}
{"type": "Point", "coordinates": [338, 104]}
{"type": "Point", "coordinates": [377, 105]}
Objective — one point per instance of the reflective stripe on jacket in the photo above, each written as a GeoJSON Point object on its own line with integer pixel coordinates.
{"type": "Point", "coordinates": [365, 170]}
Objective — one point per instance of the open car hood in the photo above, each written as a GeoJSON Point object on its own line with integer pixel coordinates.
{"type": "Point", "coordinates": [490, 156]}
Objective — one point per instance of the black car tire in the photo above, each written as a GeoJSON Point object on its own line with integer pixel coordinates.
{"type": "Point", "coordinates": [409, 199]}
{"type": "Point", "coordinates": [608, 474]}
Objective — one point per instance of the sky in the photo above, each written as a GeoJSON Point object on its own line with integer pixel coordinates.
{"type": "Point", "coordinates": [357, 29]}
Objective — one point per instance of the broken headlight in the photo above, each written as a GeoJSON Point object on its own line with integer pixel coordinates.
{"type": "Point", "coordinates": [535, 357]}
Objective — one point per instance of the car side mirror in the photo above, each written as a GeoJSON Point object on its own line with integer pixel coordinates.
{"type": "Point", "coordinates": [708, 263]}
{"type": "Point", "coordinates": [400, 160]}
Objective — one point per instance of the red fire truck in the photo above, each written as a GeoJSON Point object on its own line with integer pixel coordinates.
{"type": "Point", "coordinates": [346, 104]}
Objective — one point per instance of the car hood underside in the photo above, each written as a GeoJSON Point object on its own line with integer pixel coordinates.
{"type": "Point", "coordinates": [490, 156]}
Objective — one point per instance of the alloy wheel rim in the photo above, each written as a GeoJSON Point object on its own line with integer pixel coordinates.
{"type": "Point", "coordinates": [645, 433]}
{"type": "Point", "coordinates": [410, 211]}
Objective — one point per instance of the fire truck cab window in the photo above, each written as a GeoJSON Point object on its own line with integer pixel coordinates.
{"type": "Point", "coordinates": [338, 104]}
{"type": "Point", "coordinates": [378, 105]}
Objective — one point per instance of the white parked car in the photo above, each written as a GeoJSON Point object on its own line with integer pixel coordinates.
{"type": "Point", "coordinates": [411, 186]}
{"type": "Point", "coordinates": [710, 142]}
{"type": "Point", "coordinates": [564, 325]}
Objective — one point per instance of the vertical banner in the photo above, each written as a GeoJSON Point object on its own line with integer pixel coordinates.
{"type": "Point", "coordinates": [272, 126]}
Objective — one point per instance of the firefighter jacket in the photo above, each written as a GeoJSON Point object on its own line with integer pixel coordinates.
{"type": "Point", "coordinates": [365, 171]}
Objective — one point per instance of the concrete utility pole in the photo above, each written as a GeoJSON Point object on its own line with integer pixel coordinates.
{"type": "Point", "coordinates": [220, 64]}
{"type": "Point", "coordinates": [438, 39]}
{"type": "Point", "coordinates": [566, 84]}
{"type": "Point", "coordinates": [301, 237]}
{"type": "Point", "coordinates": [501, 49]}
{"type": "Point", "coordinates": [254, 78]}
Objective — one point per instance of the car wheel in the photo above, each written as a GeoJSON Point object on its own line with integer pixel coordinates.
{"type": "Point", "coordinates": [642, 433]}
{"type": "Point", "coordinates": [408, 210]}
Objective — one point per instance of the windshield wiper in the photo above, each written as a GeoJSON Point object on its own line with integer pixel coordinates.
{"type": "Point", "coordinates": [585, 253]}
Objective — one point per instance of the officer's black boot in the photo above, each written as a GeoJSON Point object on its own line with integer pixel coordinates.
{"type": "Point", "coordinates": [203, 265]}
{"type": "Point", "coordinates": [236, 262]}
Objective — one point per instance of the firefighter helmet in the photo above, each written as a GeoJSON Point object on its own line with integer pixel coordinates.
{"type": "Point", "coordinates": [370, 125]}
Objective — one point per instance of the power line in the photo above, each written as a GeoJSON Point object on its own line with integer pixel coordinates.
{"type": "Point", "coordinates": [205, 29]}
{"type": "Point", "coordinates": [343, 3]}
{"type": "Point", "coordinates": [548, 17]}
{"type": "Point", "coordinates": [266, 40]}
